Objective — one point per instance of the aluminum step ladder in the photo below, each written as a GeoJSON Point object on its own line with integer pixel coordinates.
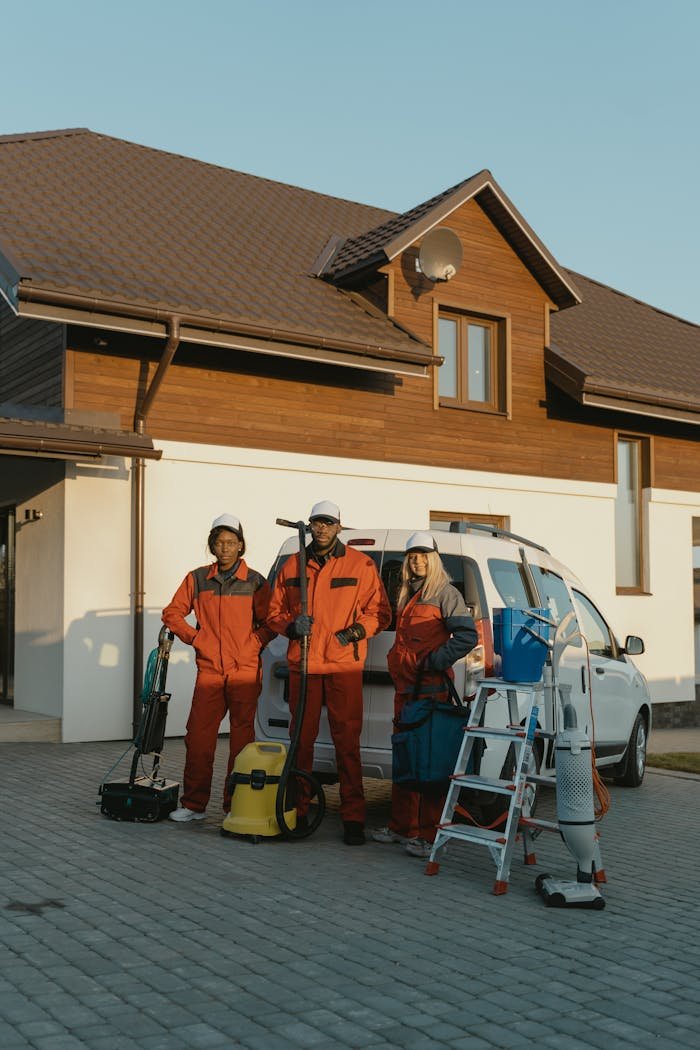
{"type": "Point", "coordinates": [499, 843]}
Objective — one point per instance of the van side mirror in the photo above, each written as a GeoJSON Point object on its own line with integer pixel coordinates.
{"type": "Point", "coordinates": [633, 646]}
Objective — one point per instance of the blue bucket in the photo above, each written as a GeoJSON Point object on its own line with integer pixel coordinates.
{"type": "Point", "coordinates": [521, 641]}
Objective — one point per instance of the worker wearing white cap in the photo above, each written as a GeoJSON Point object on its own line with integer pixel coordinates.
{"type": "Point", "coordinates": [347, 605]}
{"type": "Point", "coordinates": [433, 630]}
{"type": "Point", "coordinates": [230, 602]}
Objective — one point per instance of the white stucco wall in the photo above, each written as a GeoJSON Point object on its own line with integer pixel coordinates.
{"type": "Point", "coordinates": [192, 484]}
{"type": "Point", "coordinates": [74, 620]}
{"type": "Point", "coordinates": [97, 676]}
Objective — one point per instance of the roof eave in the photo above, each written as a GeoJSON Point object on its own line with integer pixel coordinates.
{"type": "Point", "coordinates": [90, 311]}
{"type": "Point", "coordinates": [19, 438]}
{"type": "Point", "coordinates": [597, 393]}
{"type": "Point", "coordinates": [9, 280]}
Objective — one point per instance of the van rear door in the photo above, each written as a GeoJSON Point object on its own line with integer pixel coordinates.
{"type": "Point", "coordinates": [379, 689]}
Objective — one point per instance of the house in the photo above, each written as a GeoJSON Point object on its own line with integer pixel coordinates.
{"type": "Point", "coordinates": [178, 339]}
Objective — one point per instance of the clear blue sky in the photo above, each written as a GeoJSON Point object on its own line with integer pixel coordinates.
{"type": "Point", "coordinates": [587, 113]}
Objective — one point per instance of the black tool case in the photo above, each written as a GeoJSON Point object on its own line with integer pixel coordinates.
{"type": "Point", "coordinates": [141, 800]}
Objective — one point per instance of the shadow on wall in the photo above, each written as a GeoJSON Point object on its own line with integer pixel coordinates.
{"type": "Point", "coordinates": [99, 676]}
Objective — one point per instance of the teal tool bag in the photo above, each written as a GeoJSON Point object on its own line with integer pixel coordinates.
{"type": "Point", "coordinates": [427, 740]}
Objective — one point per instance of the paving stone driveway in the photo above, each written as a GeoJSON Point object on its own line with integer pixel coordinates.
{"type": "Point", "coordinates": [166, 936]}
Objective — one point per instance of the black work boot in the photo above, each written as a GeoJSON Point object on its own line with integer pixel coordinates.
{"type": "Point", "coordinates": [353, 833]}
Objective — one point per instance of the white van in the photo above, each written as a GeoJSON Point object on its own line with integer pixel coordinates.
{"type": "Point", "coordinates": [492, 569]}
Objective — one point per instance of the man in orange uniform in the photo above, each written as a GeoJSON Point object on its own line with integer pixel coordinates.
{"type": "Point", "coordinates": [230, 602]}
{"type": "Point", "coordinates": [347, 605]}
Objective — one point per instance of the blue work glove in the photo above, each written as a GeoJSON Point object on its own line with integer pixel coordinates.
{"type": "Point", "coordinates": [301, 628]}
{"type": "Point", "coordinates": [354, 633]}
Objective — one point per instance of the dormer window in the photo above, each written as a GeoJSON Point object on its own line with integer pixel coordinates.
{"type": "Point", "coordinates": [473, 372]}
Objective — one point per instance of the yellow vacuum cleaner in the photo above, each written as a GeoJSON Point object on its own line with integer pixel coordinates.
{"type": "Point", "coordinates": [264, 780]}
{"type": "Point", "coordinates": [255, 782]}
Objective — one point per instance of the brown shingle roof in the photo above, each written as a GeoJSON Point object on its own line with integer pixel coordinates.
{"type": "Point", "coordinates": [94, 215]}
{"type": "Point", "coordinates": [390, 238]}
{"type": "Point", "coordinates": [369, 247]}
{"type": "Point", "coordinates": [88, 214]}
{"type": "Point", "coordinates": [612, 346]}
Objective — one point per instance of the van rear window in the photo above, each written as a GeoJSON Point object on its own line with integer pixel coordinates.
{"type": "Point", "coordinates": [463, 574]}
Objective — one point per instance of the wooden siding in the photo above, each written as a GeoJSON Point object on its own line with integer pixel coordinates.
{"type": "Point", "coordinates": [31, 360]}
{"type": "Point", "coordinates": [238, 399]}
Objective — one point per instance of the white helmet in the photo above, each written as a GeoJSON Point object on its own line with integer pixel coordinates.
{"type": "Point", "coordinates": [421, 541]}
{"type": "Point", "coordinates": [227, 521]}
{"type": "Point", "coordinates": [325, 509]}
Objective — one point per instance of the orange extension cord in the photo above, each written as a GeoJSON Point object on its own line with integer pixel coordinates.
{"type": "Point", "coordinates": [601, 795]}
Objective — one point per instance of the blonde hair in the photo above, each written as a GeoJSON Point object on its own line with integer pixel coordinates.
{"type": "Point", "coordinates": [435, 579]}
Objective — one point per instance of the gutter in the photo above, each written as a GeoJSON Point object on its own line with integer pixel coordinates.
{"type": "Point", "coordinates": [45, 296]}
{"type": "Point", "coordinates": [138, 504]}
{"type": "Point", "coordinates": [61, 448]}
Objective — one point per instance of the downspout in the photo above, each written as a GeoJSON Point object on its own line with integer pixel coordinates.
{"type": "Point", "coordinates": [138, 510]}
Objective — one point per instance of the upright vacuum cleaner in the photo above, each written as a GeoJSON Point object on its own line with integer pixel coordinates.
{"type": "Point", "coordinates": [574, 793]}
{"type": "Point", "coordinates": [148, 797]}
{"type": "Point", "coordinates": [264, 782]}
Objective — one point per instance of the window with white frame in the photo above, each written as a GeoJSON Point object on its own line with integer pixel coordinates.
{"type": "Point", "coordinates": [473, 372]}
{"type": "Point", "coordinates": [632, 459]}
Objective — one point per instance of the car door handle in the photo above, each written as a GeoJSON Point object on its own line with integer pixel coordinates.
{"type": "Point", "coordinates": [600, 670]}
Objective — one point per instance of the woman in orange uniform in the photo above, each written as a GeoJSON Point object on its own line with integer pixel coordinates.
{"type": "Point", "coordinates": [230, 602]}
{"type": "Point", "coordinates": [433, 630]}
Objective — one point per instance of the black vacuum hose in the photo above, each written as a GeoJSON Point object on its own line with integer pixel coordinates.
{"type": "Point", "coordinates": [289, 769]}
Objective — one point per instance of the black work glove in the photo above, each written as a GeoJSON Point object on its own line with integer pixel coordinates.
{"type": "Point", "coordinates": [301, 628]}
{"type": "Point", "coordinates": [354, 633]}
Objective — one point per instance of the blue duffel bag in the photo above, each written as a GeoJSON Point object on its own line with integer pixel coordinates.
{"type": "Point", "coordinates": [427, 740]}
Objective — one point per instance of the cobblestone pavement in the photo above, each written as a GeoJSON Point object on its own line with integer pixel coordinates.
{"type": "Point", "coordinates": [165, 936]}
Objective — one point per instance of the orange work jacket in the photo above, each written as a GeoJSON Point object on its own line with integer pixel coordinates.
{"type": "Point", "coordinates": [438, 629]}
{"type": "Point", "coordinates": [345, 590]}
{"type": "Point", "coordinates": [230, 631]}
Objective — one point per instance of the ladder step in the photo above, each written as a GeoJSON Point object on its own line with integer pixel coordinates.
{"type": "Point", "coordinates": [515, 734]}
{"type": "Point", "coordinates": [502, 787]}
{"type": "Point", "coordinates": [537, 778]}
{"type": "Point", "coordinates": [501, 683]}
{"type": "Point", "coordinates": [544, 825]}
{"type": "Point", "coordinates": [470, 834]}
{"type": "Point", "coordinates": [487, 734]}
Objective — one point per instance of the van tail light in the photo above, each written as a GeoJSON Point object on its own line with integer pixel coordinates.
{"type": "Point", "coordinates": [479, 662]}
{"type": "Point", "coordinates": [360, 543]}
{"type": "Point", "coordinates": [483, 628]}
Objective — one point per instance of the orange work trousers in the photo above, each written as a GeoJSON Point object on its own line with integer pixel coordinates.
{"type": "Point", "coordinates": [214, 695]}
{"type": "Point", "coordinates": [415, 814]}
{"type": "Point", "coordinates": [341, 694]}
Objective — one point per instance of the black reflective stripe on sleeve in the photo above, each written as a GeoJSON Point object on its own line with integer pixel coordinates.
{"type": "Point", "coordinates": [344, 581]}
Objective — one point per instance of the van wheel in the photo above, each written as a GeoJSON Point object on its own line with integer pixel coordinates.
{"type": "Point", "coordinates": [635, 761]}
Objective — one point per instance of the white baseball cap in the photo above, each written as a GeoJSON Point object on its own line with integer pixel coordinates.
{"type": "Point", "coordinates": [421, 541]}
{"type": "Point", "coordinates": [227, 521]}
{"type": "Point", "coordinates": [325, 509]}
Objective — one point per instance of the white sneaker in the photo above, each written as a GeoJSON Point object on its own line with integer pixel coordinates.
{"type": "Point", "coordinates": [387, 835]}
{"type": "Point", "coordinates": [183, 814]}
{"type": "Point", "coordinates": [418, 848]}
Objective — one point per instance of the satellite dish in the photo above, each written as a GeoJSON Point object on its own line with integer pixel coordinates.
{"type": "Point", "coordinates": [440, 254]}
